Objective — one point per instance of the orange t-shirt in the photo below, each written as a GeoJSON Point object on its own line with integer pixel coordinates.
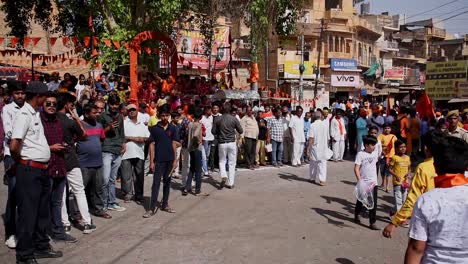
{"type": "Point", "coordinates": [404, 126]}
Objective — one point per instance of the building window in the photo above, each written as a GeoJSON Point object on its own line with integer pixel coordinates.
{"type": "Point", "coordinates": [330, 44]}
{"type": "Point", "coordinates": [337, 44]}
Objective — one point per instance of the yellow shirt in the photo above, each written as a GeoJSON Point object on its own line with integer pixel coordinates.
{"type": "Point", "coordinates": [387, 143]}
{"type": "Point", "coordinates": [423, 181]}
{"type": "Point", "coordinates": [153, 121]}
{"type": "Point", "coordinates": [400, 166]}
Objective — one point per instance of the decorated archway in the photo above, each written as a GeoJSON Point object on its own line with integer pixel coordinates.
{"type": "Point", "coordinates": [135, 47]}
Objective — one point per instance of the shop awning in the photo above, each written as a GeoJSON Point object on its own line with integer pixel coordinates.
{"type": "Point", "coordinates": [458, 100]}
{"type": "Point", "coordinates": [236, 95]}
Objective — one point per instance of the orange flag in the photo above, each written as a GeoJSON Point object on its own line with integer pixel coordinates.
{"type": "Point", "coordinates": [86, 41]}
{"type": "Point", "coordinates": [35, 41]}
{"type": "Point", "coordinates": [52, 41]}
{"type": "Point", "coordinates": [14, 41]}
{"type": "Point", "coordinates": [107, 42]}
{"type": "Point", "coordinates": [116, 44]}
{"type": "Point", "coordinates": [65, 40]}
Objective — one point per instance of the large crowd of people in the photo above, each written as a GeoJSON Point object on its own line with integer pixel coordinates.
{"type": "Point", "coordinates": [68, 144]}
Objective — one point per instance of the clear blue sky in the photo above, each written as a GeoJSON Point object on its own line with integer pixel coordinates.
{"type": "Point", "coordinates": [412, 7]}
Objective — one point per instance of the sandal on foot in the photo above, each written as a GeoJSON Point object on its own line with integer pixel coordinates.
{"type": "Point", "coordinates": [148, 214]}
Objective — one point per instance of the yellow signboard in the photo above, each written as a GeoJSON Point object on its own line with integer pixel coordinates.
{"type": "Point", "coordinates": [291, 70]}
{"type": "Point", "coordinates": [442, 78]}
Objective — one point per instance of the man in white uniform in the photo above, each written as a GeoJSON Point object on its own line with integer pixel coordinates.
{"type": "Point", "coordinates": [317, 149]}
{"type": "Point", "coordinates": [30, 150]}
{"type": "Point", "coordinates": [296, 127]}
{"type": "Point", "coordinates": [338, 135]}
{"type": "Point", "coordinates": [9, 113]}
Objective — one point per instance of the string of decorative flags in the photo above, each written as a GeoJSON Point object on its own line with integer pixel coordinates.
{"type": "Point", "coordinates": [71, 57]}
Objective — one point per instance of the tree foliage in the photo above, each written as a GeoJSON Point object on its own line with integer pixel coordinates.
{"type": "Point", "coordinates": [121, 20]}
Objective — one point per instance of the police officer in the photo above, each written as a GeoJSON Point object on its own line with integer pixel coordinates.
{"type": "Point", "coordinates": [9, 112]}
{"type": "Point", "coordinates": [31, 153]}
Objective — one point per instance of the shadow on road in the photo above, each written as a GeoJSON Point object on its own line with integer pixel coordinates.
{"type": "Point", "coordinates": [347, 205]}
{"type": "Point", "coordinates": [291, 177]}
{"type": "Point", "coordinates": [348, 182]}
{"type": "Point", "coordinates": [344, 261]}
{"type": "Point", "coordinates": [333, 217]}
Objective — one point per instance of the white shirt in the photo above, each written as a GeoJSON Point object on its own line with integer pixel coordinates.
{"type": "Point", "coordinates": [286, 133]}
{"type": "Point", "coordinates": [79, 88]}
{"type": "Point", "coordinates": [133, 149]}
{"type": "Point", "coordinates": [53, 86]}
{"type": "Point", "coordinates": [368, 163]}
{"type": "Point", "coordinates": [335, 129]}
{"type": "Point", "coordinates": [378, 148]}
{"type": "Point", "coordinates": [143, 117]}
{"type": "Point", "coordinates": [28, 127]}
{"type": "Point", "coordinates": [320, 133]}
{"type": "Point", "coordinates": [297, 125]}
{"type": "Point", "coordinates": [9, 113]}
{"type": "Point", "coordinates": [208, 123]}
{"type": "Point", "coordinates": [440, 218]}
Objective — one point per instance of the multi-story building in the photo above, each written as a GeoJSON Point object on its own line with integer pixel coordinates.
{"type": "Point", "coordinates": [347, 49]}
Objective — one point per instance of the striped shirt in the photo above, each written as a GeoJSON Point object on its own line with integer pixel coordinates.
{"type": "Point", "coordinates": [90, 150]}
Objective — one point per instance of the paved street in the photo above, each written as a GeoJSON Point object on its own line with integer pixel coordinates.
{"type": "Point", "coordinates": [272, 216]}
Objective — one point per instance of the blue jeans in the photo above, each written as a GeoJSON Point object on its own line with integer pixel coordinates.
{"type": "Point", "coordinates": [204, 159]}
{"type": "Point", "coordinates": [277, 153]}
{"type": "Point", "coordinates": [111, 163]}
{"type": "Point", "coordinates": [399, 194]}
{"type": "Point", "coordinates": [56, 201]}
{"type": "Point", "coordinates": [207, 147]}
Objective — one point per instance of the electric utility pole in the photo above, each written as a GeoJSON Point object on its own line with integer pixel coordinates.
{"type": "Point", "coordinates": [301, 72]}
{"type": "Point", "coordinates": [317, 70]}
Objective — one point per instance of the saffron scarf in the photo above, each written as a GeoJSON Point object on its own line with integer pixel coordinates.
{"type": "Point", "coordinates": [340, 126]}
{"type": "Point", "coordinates": [450, 180]}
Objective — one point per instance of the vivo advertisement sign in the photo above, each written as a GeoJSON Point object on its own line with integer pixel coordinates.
{"type": "Point", "coordinates": [343, 64]}
{"type": "Point", "coordinates": [345, 80]}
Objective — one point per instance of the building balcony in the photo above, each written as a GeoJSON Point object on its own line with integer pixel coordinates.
{"type": "Point", "coordinates": [308, 29]}
{"type": "Point", "coordinates": [335, 27]}
{"type": "Point", "coordinates": [339, 55]}
{"type": "Point", "coordinates": [388, 45]}
{"type": "Point", "coordinates": [364, 26]}
{"type": "Point", "coordinates": [335, 13]}
{"type": "Point", "coordinates": [436, 32]}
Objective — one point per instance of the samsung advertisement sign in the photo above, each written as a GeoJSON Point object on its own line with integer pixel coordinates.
{"type": "Point", "coordinates": [343, 64]}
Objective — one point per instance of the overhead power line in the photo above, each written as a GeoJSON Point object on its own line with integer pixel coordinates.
{"type": "Point", "coordinates": [432, 9]}
{"type": "Point", "coordinates": [450, 17]}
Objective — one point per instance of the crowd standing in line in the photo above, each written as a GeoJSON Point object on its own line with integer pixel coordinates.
{"type": "Point", "coordinates": [77, 139]}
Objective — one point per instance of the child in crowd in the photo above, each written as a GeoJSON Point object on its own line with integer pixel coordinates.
{"type": "Point", "coordinates": [400, 167]}
{"type": "Point", "coordinates": [422, 182]}
{"type": "Point", "coordinates": [365, 170]}
{"type": "Point", "coordinates": [438, 223]}
{"type": "Point", "coordinates": [387, 139]}
{"type": "Point", "coordinates": [195, 168]}
{"type": "Point", "coordinates": [261, 143]}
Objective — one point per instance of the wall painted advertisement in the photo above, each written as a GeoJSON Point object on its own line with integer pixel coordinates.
{"type": "Point", "coordinates": [345, 80]}
{"type": "Point", "coordinates": [442, 78]}
{"type": "Point", "coordinates": [290, 70]}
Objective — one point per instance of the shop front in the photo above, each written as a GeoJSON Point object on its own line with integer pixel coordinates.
{"type": "Point", "coordinates": [345, 79]}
